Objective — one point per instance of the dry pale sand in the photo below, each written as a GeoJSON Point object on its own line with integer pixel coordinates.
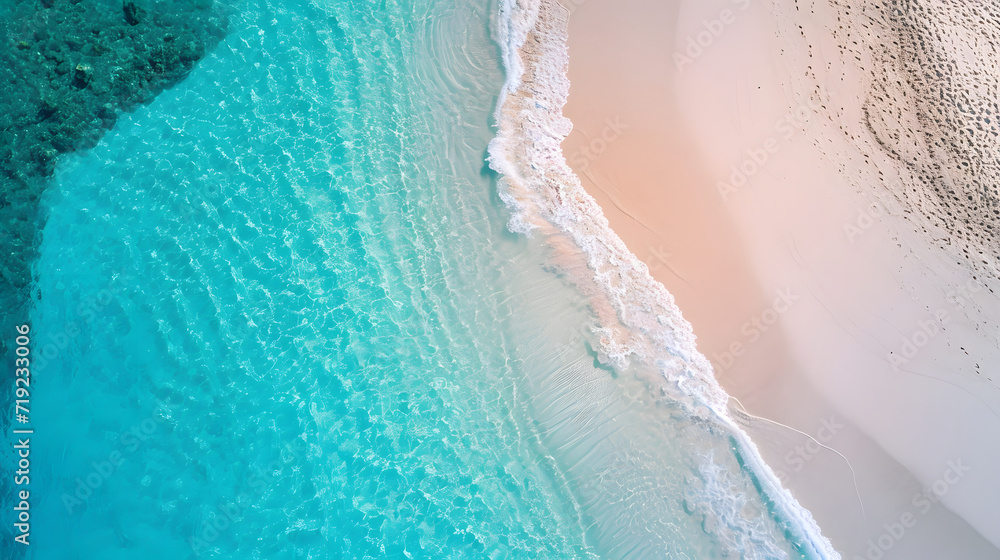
{"type": "Point", "coordinates": [798, 285]}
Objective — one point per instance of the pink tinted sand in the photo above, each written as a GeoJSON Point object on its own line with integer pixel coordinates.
{"type": "Point", "coordinates": [797, 286]}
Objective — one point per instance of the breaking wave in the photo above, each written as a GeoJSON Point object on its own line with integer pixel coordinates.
{"type": "Point", "coordinates": [638, 318]}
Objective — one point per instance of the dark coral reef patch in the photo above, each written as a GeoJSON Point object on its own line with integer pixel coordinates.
{"type": "Point", "coordinates": [68, 69]}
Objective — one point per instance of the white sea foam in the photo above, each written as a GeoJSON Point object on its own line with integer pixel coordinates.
{"type": "Point", "coordinates": [638, 316]}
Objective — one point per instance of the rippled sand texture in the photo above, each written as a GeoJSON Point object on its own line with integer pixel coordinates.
{"type": "Point", "coordinates": [903, 141]}
{"type": "Point", "coordinates": [820, 221]}
{"type": "Point", "coordinates": [932, 108]}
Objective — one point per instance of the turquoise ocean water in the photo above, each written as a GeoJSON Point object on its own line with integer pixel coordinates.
{"type": "Point", "coordinates": [280, 316]}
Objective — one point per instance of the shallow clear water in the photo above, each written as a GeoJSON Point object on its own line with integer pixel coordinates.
{"type": "Point", "coordinates": [281, 317]}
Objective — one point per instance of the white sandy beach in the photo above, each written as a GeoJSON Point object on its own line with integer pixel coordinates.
{"type": "Point", "coordinates": [726, 169]}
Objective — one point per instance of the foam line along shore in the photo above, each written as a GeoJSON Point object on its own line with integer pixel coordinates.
{"type": "Point", "coordinates": [639, 320]}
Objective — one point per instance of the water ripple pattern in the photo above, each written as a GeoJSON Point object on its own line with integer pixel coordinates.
{"type": "Point", "coordinates": [279, 315]}
{"type": "Point", "coordinates": [284, 334]}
